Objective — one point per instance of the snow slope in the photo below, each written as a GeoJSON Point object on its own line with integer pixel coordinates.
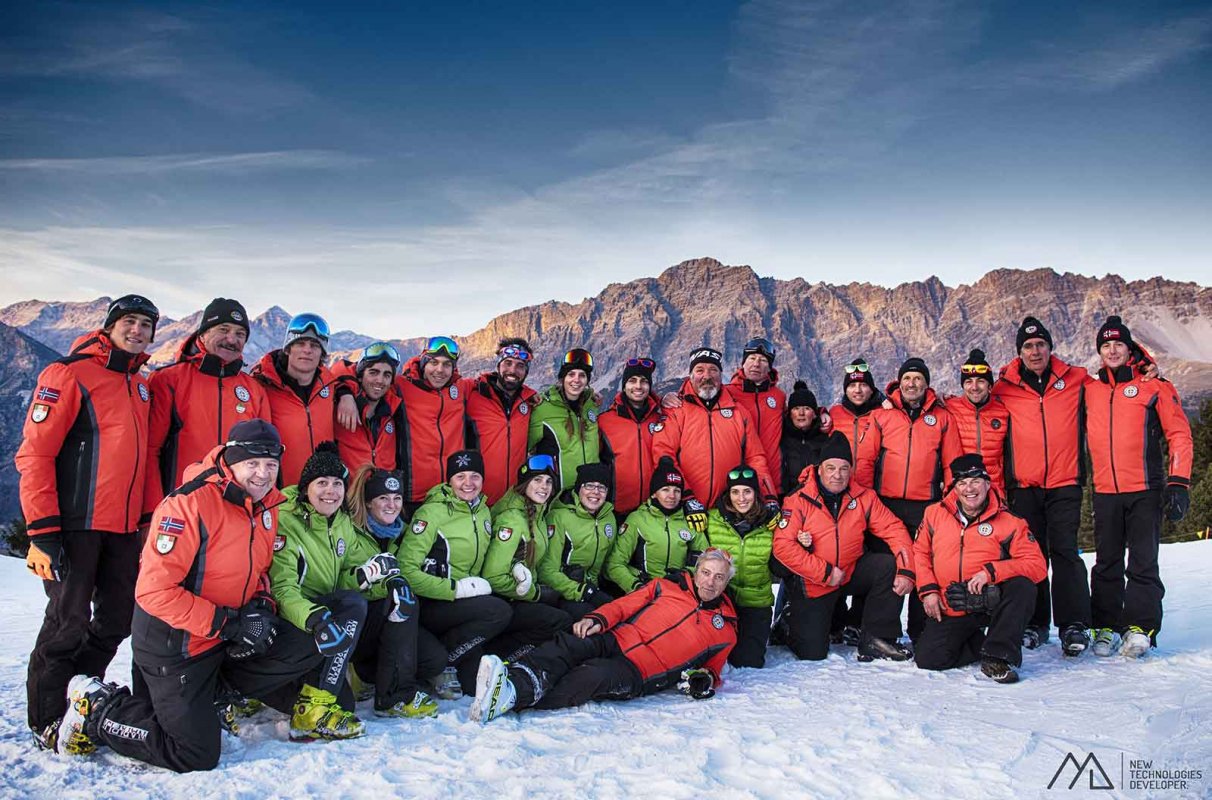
{"type": "Point", "coordinates": [832, 729]}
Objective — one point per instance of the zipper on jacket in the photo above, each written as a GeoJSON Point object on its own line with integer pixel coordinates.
{"type": "Point", "coordinates": [909, 456]}
{"type": "Point", "coordinates": [1111, 436]}
{"type": "Point", "coordinates": [441, 433]}
{"type": "Point", "coordinates": [711, 460]}
{"type": "Point", "coordinates": [221, 437]}
{"type": "Point", "coordinates": [963, 530]}
{"type": "Point", "coordinates": [1043, 419]}
{"type": "Point", "coordinates": [252, 535]}
{"type": "Point", "coordinates": [138, 456]}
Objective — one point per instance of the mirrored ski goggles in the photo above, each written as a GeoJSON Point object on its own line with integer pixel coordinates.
{"type": "Point", "coordinates": [539, 463]}
{"type": "Point", "coordinates": [853, 368]}
{"type": "Point", "coordinates": [514, 351]}
{"type": "Point", "coordinates": [259, 449]}
{"type": "Point", "coordinates": [442, 345]}
{"type": "Point", "coordinates": [646, 363]}
{"type": "Point", "coordinates": [578, 356]}
{"type": "Point", "coordinates": [743, 473]}
{"type": "Point", "coordinates": [309, 323]}
{"type": "Point", "coordinates": [975, 369]}
{"type": "Point", "coordinates": [760, 345]}
{"type": "Point", "coordinates": [381, 351]}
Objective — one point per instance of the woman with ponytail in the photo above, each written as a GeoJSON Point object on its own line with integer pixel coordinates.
{"type": "Point", "coordinates": [564, 425]}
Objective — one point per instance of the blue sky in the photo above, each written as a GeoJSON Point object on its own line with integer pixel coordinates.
{"type": "Point", "coordinates": [418, 169]}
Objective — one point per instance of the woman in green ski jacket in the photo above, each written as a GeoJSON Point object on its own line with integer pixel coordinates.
{"type": "Point", "coordinates": [584, 529]}
{"type": "Point", "coordinates": [564, 425]}
{"type": "Point", "coordinates": [308, 574]}
{"type": "Point", "coordinates": [394, 650]}
{"type": "Point", "coordinates": [518, 547]}
{"type": "Point", "coordinates": [442, 557]}
{"type": "Point", "coordinates": [743, 526]}
{"type": "Point", "coordinates": [655, 540]}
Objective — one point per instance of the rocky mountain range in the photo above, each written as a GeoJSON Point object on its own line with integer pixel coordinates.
{"type": "Point", "coordinates": [816, 327]}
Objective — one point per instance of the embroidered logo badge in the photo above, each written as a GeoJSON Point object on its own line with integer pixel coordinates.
{"type": "Point", "coordinates": [726, 413]}
{"type": "Point", "coordinates": [783, 522]}
{"type": "Point", "coordinates": [39, 412]}
{"type": "Point", "coordinates": [656, 427]}
{"type": "Point", "coordinates": [592, 415]}
{"type": "Point", "coordinates": [995, 424]}
{"type": "Point", "coordinates": [165, 543]}
{"type": "Point", "coordinates": [685, 535]}
{"type": "Point", "coordinates": [419, 526]}
{"type": "Point", "coordinates": [770, 401]}
{"type": "Point", "coordinates": [930, 419]}
{"type": "Point", "coordinates": [454, 392]}
{"type": "Point", "coordinates": [524, 409]}
{"type": "Point", "coordinates": [340, 547]}
{"type": "Point", "coordinates": [279, 541]}
{"type": "Point", "coordinates": [389, 427]}
{"type": "Point", "coordinates": [324, 392]}
{"type": "Point", "coordinates": [505, 534]}
{"type": "Point", "coordinates": [984, 529]}
{"type": "Point", "coordinates": [267, 520]}
{"type": "Point", "coordinates": [550, 531]}
{"type": "Point", "coordinates": [392, 484]}
{"type": "Point", "coordinates": [608, 530]}
{"type": "Point", "coordinates": [1131, 391]}
{"type": "Point", "coordinates": [717, 622]}
{"type": "Point", "coordinates": [47, 395]}
{"type": "Point", "coordinates": [144, 395]}
{"type": "Point", "coordinates": [1060, 384]}
{"type": "Point", "coordinates": [242, 394]}
{"type": "Point", "coordinates": [853, 504]}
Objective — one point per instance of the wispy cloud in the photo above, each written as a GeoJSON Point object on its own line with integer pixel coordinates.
{"type": "Point", "coordinates": [179, 54]}
{"type": "Point", "coordinates": [187, 162]}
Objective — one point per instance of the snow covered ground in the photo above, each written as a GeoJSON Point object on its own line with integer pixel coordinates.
{"type": "Point", "coordinates": [832, 729]}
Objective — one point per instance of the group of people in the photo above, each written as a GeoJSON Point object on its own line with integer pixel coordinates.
{"type": "Point", "coordinates": [307, 535]}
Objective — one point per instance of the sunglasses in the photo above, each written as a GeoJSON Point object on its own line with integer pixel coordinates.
{"type": "Point", "coordinates": [744, 472]}
{"type": "Point", "coordinates": [380, 350]}
{"type": "Point", "coordinates": [975, 369]}
{"type": "Point", "coordinates": [442, 345]}
{"type": "Point", "coordinates": [259, 449]}
{"type": "Point", "coordinates": [515, 352]}
{"type": "Point", "coordinates": [853, 368]}
{"type": "Point", "coordinates": [313, 323]}
{"type": "Point", "coordinates": [646, 363]}
{"type": "Point", "coordinates": [578, 356]}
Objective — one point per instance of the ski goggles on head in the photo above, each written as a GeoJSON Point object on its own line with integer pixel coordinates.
{"type": "Point", "coordinates": [716, 552]}
{"type": "Point", "coordinates": [853, 368]}
{"type": "Point", "coordinates": [381, 351]}
{"type": "Point", "coordinates": [539, 463]}
{"type": "Point", "coordinates": [257, 449]}
{"type": "Point", "coordinates": [578, 356]}
{"type": "Point", "coordinates": [975, 369]}
{"type": "Point", "coordinates": [743, 473]}
{"type": "Point", "coordinates": [442, 346]}
{"type": "Point", "coordinates": [308, 324]}
{"type": "Point", "coordinates": [760, 345]}
{"type": "Point", "coordinates": [515, 352]}
{"type": "Point", "coordinates": [646, 363]}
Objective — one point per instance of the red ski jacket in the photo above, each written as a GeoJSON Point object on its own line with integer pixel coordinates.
{"type": "Point", "coordinates": [301, 425]}
{"type": "Point", "coordinates": [84, 453]}
{"type": "Point", "coordinates": [983, 431]}
{"type": "Point", "coordinates": [195, 402]}
{"type": "Point", "coordinates": [374, 441]}
{"type": "Point", "coordinates": [1046, 432]}
{"type": "Point", "coordinates": [663, 628]}
{"type": "Point", "coordinates": [627, 448]}
{"type": "Point", "coordinates": [1127, 421]}
{"type": "Point", "coordinates": [209, 548]}
{"type": "Point", "coordinates": [864, 447]}
{"type": "Point", "coordinates": [836, 543]}
{"type": "Point", "coordinates": [913, 454]}
{"type": "Point", "coordinates": [434, 426]}
{"type": "Point", "coordinates": [765, 403]}
{"type": "Point", "coordinates": [499, 432]}
{"type": "Point", "coordinates": [949, 550]}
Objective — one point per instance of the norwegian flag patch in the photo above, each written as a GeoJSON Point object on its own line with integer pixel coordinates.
{"type": "Point", "coordinates": [47, 395]}
{"type": "Point", "coordinates": [172, 525]}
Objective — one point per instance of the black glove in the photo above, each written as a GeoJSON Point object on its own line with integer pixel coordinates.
{"type": "Point", "coordinates": [329, 635]}
{"type": "Point", "coordinates": [595, 596]}
{"type": "Point", "coordinates": [697, 683]}
{"type": "Point", "coordinates": [250, 630]}
{"type": "Point", "coordinates": [377, 568]}
{"type": "Point", "coordinates": [696, 515]}
{"type": "Point", "coordinates": [960, 599]}
{"type": "Point", "coordinates": [1175, 501]}
{"type": "Point", "coordinates": [403, 601]}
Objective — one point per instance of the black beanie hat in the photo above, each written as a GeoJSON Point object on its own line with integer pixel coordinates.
{"type": "Point", "coordinates": [577, 358]}
{"type": "Point", "coordinates": [1113, 330]}
{"type": "Point", "coordinates": [131, 304]}
{"type": "Point", "coordinates": [637, 369]}
{"type": "Point", "coordinates": [252, 438]}
{"type": "Point", "coordinates": [222, 310]}
{"type": "Point", "coordinates": [801, 395]}
{"type": "Point", "coordinates": [706, 355]}
{"type": "Point", "coordinates": [464, 461]}
{"type": "Point", "coordinates": [1031, 328]}
{"type": "Point", "coordinates": [665, 474]}
{"type": "Point", "coordinates": [969, 465]}
{"type": "Point", "coordinates": [976, 358]}
{"type": "Point", "coordinates": [381, 482]}
{"type": "Point", "coordinates": [837, 446]}
{"type": "Point", "coordinates": [745, 476]}
{"type": "Point", "coordinates": [325, 462]}
{"type": "Point", "coordinates": [914, 364]}
{"type": "Point", "coordinates": [593, 473]}
{"type": "Point", "coordinates": [858, 376]}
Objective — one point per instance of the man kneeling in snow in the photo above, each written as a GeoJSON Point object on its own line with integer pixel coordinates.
{"type": "Point", "coordinates": [672, 631]}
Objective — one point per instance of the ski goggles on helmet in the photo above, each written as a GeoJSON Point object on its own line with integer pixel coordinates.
{"type": "Point", "coordinates": [379, 351]}
{"type": "Point", "coordinates": [982, 370]}
{"type": "Point", "coordinates": [742, 473]}
{"type": "Point", "coordinates": [131, 304]}
{"type": "Point", "coordinates": [853, 368]}
{"type": "Point", "coordinates": [646, 363]}
{"type": "Point", "coordinates": [578, 356]}
{"type": "Point", "coordinates": [516, 352]}
{"type": "Point", "coordinates": [760, 346]}
{"type": "Point", "coordinates": [304, 326]}
{"type": "Point", "coordinates": [442, 346]}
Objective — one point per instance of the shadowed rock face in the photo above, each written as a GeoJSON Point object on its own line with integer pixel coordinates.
{"type": "Point", "coordinates": [816, 327]}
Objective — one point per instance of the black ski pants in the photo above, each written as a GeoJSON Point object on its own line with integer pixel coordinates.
{"type": "Point", "coordinates": [1130, 520]}
{"type": "Point", "coordinates": [568, 671]}
{"type": "Point", "coordinates": [1054, 515]}
{"type": "Point", "coordinates": [812, 617]}
{"type": "Point", "coordinates": [957, 641]}
{"type": "Point", "coordinates": [463, 626]}
{"type": "Point", "coordinates": [393, 655]}
{"type": "Point", "coordinates": [530, 625]}
{"type": "Point", "coordinates": [753, 634]}
{"type": "Point", "coordinates": [88, 614]}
